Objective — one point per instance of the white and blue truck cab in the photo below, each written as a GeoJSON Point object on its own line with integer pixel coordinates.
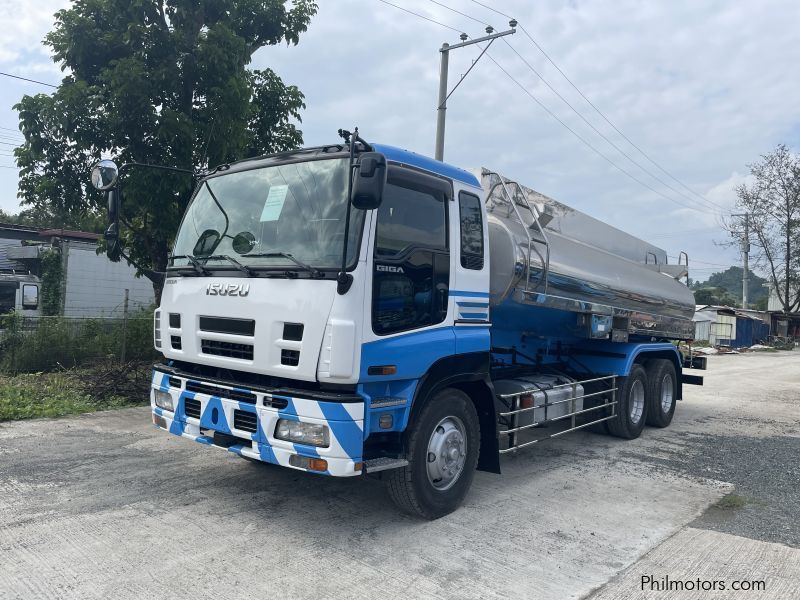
{"type": "Point", "coordinates": [360, 309]}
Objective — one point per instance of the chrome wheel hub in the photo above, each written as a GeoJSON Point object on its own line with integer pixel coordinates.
{"type": "Point", "coordinates": [667, 393]}
{"type": "Point", "coordinates": [447, 453]}
{"type": "Point", "coordinates": [637, 401]}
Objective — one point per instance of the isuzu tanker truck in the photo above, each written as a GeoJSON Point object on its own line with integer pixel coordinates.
{"type": "Point", "coordinates": [357, 309]}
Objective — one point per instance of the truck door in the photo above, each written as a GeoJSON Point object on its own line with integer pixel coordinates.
{"type": "Point", "coordinates": [411, 256]}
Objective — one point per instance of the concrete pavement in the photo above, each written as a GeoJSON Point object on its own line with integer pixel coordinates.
{"type": "Point", "coordinates": [105, 506]}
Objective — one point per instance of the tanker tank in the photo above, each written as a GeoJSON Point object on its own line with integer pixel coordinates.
{"type": "Point", "coordinates": [546, 255]}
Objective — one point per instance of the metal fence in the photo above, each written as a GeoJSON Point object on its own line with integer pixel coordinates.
{"type": "Point", "coordinates": [32, 344]}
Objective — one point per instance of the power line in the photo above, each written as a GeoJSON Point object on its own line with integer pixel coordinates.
{"type": "Point", "coordinates": [704, 262]}
{"type": "Point", "coordinates": [458, 12]}
{"type": "Point", "coordinates": [684, 232]}
{"type": "Point", "coordinates": [595, 129]}
{"type": "Point", "coordinates": [565, 101]}
{"type": "Point", "coordinates": [411, 12]}
{"type": "Point", "coordinates": [32, 80]}
{"type": "Point", "coordinates": [556, 118]}
{"type": "Point", "coordinates": [494, 10]}
{"type": "Point", "coordinates": [587, 143]}
{"type": "Point", "coordinates": [599, 112]}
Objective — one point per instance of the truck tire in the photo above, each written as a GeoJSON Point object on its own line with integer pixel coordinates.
{"type": "Point", "coordinates": [631, 405]}
{"type": "Point", "coordinates": [443, 448]}
{"type": "Point", "coordinates": [661, 392]}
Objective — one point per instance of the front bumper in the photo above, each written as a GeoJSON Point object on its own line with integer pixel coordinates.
{"type": "Point", "coordinates": [253, 422]}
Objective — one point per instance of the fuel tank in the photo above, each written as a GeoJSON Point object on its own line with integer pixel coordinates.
{"type": "Point", "coordinates": [546, 254]}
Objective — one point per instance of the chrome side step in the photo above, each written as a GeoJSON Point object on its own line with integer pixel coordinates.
{"type": "Point", "coordinates": [384, 464]}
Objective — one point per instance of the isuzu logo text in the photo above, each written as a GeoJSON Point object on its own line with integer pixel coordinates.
{"type": "Point", "coordinates": [227, 289]}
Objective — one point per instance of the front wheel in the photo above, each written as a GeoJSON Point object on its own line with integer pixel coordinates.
{"type": "Point", "coordinates": [443, 447]}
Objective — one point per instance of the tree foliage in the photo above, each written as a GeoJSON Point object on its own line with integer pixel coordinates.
{"type": "Point", "coordinates": [729, 281]}
{"type": "Point", "coordinates": [161, 82]}
{"type": "Point", "coordinates": [773, 202]}
{"type": "Point", "coordinates": [44, 218]}
{"type": "Point", "coordinates": [717, 296]}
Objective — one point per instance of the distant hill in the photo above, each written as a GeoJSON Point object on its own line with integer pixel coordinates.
{"type": "Point", "coordinates": [727, 285]}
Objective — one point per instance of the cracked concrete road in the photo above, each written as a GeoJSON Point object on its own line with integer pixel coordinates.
{"type": "Point", "coordinates": [105, 506]}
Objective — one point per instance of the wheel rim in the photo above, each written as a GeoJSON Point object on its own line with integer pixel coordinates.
{"type": "Point", "coordinates": [667, 394]}
{"type": "Point", "coordinates": [637, 401]}
{"type": "Point", "coordinates": [447, 453]}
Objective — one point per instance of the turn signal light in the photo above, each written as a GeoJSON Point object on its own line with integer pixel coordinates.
{"type": "Point", "coordinates": [304, 462]}
{"type": "Point", "coordinates": [318, 464]}
{"type": "Point", "coordinates": [382, 370]}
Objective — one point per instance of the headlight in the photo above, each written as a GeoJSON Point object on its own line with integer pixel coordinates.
{"type": "Point", "coordinates": [302, 433]}
{"type": "Point", "coordinates": [164, 400]}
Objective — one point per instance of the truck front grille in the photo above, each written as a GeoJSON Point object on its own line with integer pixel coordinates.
{"type": "Point", "coordinates": [220, 392]}
{"type": "Point", "coordinates": [228, 325]}
{"type": "Point", "coordinates": [246, 421]}
{"type": "Point", "coordinates": [191, 407]}
{"type": "Point", "coordinates": [229, 349]}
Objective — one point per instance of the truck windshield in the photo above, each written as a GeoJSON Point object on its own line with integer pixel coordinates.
{"type": "Point", "coordinates": [288, 217]}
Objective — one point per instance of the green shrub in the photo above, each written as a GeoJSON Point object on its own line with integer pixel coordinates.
{"type": "Point", "coordinates": [46, 343]}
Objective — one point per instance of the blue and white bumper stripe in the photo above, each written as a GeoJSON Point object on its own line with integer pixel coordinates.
{"type": "Point", "coordinates": [345, 422]}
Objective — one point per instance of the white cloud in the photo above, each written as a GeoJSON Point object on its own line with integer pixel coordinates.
{"type": "Point", "coordinates": [25, 24]}
{"type": "Point", "coordinates": [703, 88]}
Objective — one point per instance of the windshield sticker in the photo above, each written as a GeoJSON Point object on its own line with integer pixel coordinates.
{"type": "Point", "coordinates": [274, 204]}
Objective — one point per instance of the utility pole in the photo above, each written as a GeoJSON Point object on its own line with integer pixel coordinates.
{"type": "Point", "coordinates": [745, 258]}
{"type": "Point", "coordinates": [444, 52]}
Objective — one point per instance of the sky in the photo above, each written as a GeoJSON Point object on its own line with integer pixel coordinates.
{"type": "Point", "coordinates": [702, 87]}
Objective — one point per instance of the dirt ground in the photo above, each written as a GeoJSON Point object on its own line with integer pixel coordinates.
{"type": "Point", "coordinates": [105, 506]}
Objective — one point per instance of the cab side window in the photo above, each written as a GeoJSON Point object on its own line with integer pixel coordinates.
{"type": "Point", "coordinates": [412, 263]}
{"type": "Point", "coordinates": [471, 231]}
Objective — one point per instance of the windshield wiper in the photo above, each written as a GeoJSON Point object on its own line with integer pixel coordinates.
{"type": "Point", "coordinates": [314, 271]}
{"type": "Point", "coordinates": [243, 268]}
{"type": "Point", "coordinates": [200, 269]}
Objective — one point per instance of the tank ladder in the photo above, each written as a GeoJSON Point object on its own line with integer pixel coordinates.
{"type": "Point", "coordinates": [509, 198]}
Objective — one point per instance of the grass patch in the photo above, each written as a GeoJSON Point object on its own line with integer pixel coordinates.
{"type": "Point", "coordinates": [732, 502]}
{"type": "Point", "coordinates": [68, 392]}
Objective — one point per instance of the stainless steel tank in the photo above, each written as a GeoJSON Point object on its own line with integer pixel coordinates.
{"type": "Point", "coordinates": [544, 253]}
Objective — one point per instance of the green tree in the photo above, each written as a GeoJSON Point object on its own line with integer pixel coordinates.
{"type": "Point", "coordinates": [714, 295]}
{"type": "Point", "coordinates": [161, 82]}
{"type": "Point", "coordinates": [772, 200]}
{"type": "Point", "coordinates": [730, 280]}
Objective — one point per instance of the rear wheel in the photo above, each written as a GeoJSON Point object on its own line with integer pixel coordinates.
{"type": "Point", "coordinates": [443, 448]}
{"type": "Point", "coordinates": [631, 406]}
{"type": "Point", "coordinates": [662, 392]}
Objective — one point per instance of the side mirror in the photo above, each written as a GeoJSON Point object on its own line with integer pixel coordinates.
{"type": "Point", "coordinates": [207, 243]}
{"type": "Point", "coordinates": [112, 197]}
{"type": "Point", "coordinates": [369, 181]}
{"type": "Point", "coordinates": [104, 175]}
{"type": "Point", "coordinates": [113, 244]}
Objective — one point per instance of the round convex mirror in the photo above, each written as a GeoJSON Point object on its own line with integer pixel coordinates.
{"type": "Point", "coordinates": [104, 175]}
{"type": "Point", "coordinates": [243, 242]}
